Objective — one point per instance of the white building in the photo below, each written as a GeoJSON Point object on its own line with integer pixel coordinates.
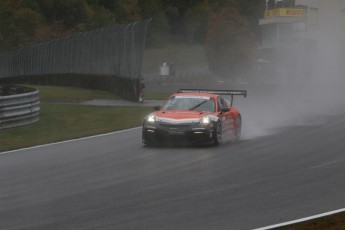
{"type": "Point", "coordinates": [300, 38]}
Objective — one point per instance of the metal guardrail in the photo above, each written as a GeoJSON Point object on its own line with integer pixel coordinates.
{"type": "Point", "coordinates": [18, 106]}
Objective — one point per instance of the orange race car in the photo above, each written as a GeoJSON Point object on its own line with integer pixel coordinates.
{"type": "Point", "coordinates": [194, 116]}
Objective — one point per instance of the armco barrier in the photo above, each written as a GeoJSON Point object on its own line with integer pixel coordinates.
{"type": "Point", "coordinates": [18, 106]}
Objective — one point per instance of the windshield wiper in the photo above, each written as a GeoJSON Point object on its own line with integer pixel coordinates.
{"type": "Point", "coordinates": [198, 105]}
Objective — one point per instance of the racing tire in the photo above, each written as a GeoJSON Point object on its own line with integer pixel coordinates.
{"type": "Point", "coordinates": [148, 142]}
{"type": "Point", "coordinates": [217, 134]}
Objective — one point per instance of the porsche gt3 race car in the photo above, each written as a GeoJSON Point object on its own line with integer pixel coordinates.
{"type": "Point", "coordinates": [194, 116]}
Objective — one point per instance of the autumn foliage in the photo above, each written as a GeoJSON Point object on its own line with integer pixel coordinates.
{"type": "Point", "coordinates": [25, 22]}
{"type": "Point", "coordinates": [230, 44]}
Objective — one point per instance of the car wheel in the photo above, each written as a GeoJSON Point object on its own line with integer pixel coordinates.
{"type": "Point", "coordinates": [146, 140]}
{"type": "Point", "coordinates": [149, 143]}
{"type": "Point", "coordinates": [238, 129]}
{"type": "Point", "coordinates": [217, 134]}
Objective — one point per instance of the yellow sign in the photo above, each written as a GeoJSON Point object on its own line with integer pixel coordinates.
{"type": "Point", "coordinates": [284, 12]}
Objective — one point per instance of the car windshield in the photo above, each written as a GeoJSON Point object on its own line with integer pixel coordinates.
{"type": "Point", "coordinates": [197, 103]}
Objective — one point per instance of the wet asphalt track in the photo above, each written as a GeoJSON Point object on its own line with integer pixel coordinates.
{"type": "Point", "coordinates": [113, 182]}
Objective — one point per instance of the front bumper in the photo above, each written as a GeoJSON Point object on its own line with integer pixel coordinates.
{"type": "Point", "coordinates": [177, 133]}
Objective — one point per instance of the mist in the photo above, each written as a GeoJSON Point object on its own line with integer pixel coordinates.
{"type": "Point", "coordinates": [309, 79]}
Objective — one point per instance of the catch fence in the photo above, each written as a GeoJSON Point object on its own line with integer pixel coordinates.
{"type": "Point", "coordinates": [108, 56]}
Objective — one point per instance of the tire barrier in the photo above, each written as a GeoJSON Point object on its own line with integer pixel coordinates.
{"type": "Point", "coordinates": [18, 106]}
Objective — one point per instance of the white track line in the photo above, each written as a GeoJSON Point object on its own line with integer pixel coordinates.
{"type": "Point", "coordinates": [67, 141]}
{"type": "Point", "coordinates": [301, 220]}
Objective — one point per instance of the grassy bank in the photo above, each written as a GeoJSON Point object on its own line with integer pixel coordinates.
{"type": "Point", "coordinates": [60, 122]}
{"type": "Point", "coordinates": [333, 222]}
{"type": "Point", "coordinates": [70, 94]}
{"type": "Point", "coordinates": [183, 55]}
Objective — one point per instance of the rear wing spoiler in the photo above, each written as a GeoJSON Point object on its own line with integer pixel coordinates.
{"type": "Point", "coordinates": [232, 93]}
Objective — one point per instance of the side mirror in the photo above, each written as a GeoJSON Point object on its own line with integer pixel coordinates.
{"type": "Point", "coordinates": [157, 108]}
{"type": "Point", "coordinates": [224, 110]}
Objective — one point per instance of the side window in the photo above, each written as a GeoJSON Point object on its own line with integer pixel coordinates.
{"type": "Point", "coordinates": [221, 103]}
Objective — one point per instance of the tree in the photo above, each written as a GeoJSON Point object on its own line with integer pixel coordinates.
{"type": "Point", "coordinates": [196, 21]}
{"type": "Point", "coordinates": [101, 17]}
{"type": "Point", "coordinates": [127, 10]}
{"type": "Point", "coordinates": [28, 21]}
{"type": "Point", "coordinates": [173, 18]}
{"type": "Point", "coordinates": [9, 35]}
{"type": "Point", "coordinates": [159, 26]}
{"type": "Point", "coordinates": [253, 10]}
{"type": "Point", "coordinates": [230, 45]}
{"type": "Point", "coordinates": [70, 13]}
{"type": "Point", "coordinates": [176, 11]}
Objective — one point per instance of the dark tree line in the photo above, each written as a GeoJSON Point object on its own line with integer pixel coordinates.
{"type": "Point", "coordinates": [27, 21]}
{"type": "Point", "coordinates": [228, 28]}
{"type": "Point", "coordinates": [284, 3]}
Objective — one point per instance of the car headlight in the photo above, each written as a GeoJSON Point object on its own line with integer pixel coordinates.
{"type": "Point", "coordinates": [205, 120]}
{"type": "Point", "coordinates": [151, 118]}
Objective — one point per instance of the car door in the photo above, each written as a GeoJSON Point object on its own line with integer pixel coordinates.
{"type": "Point", "coordinates": [225, 117]}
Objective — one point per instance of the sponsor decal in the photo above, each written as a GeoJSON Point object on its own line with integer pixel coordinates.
{"type": "Point", "coordinates": [174, 131]}
{"type": "Point", "coordinates": [284, 12]}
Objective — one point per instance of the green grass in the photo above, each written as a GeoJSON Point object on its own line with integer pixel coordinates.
{"type": "Point", "coordinates": [60, 122]}
{"type": "Point", "coordinates": [57, 93]}
{"type": "Point", "coordinates": [333, 222]}
{"type": "Point", "coordinates": [182, 54]}
{"type": "Point", "coordinates": [70, 94]}
{"type": "Point", "coordinates": [156, 95]}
